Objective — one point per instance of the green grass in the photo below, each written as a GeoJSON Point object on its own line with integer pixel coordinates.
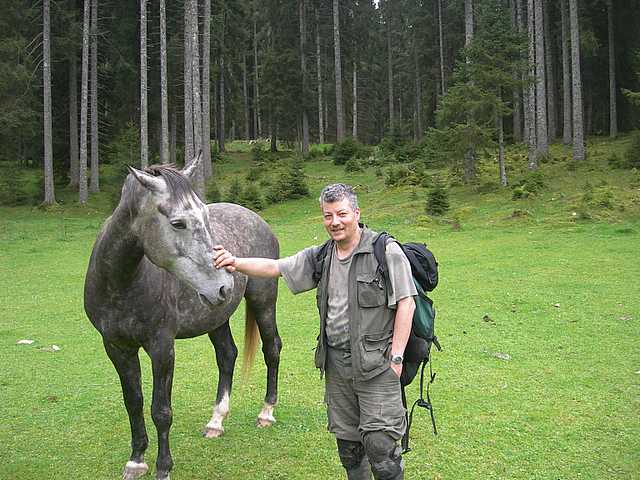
{"type": "Point", "coordinates": [561, 291]}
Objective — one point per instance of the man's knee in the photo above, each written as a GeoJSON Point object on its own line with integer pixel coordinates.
{"type": "Point", "coordinates": [351, 453]}
{"type": "Point", "coordinates": [384, 455]}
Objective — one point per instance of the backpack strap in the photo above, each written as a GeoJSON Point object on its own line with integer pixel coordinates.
{"type": "Point", "coordinates": [379, 252]}
{"type": "Point", "coordinates": [319, 259]}
{"type": "Point", "coordinates": [420, 402]}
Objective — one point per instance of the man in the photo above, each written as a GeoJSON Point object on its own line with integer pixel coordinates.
{"type": "Point", "coordinates": [364, 328]}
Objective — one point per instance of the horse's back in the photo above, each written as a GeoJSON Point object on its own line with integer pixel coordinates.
{"type": "Point", "coordinates": [242, 231]}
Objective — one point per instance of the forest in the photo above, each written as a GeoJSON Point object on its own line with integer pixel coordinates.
{"type": "Point", "coordinates": [111, 81]}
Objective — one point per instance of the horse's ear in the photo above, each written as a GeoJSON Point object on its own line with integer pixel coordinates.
{"type": "Point", "coordinates": [190, 170]}
{"type": "Point", "coordinates": [149, 182]}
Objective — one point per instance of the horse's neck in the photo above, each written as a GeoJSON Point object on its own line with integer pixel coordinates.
{"type": "Point", "coordinates": [119, 251]}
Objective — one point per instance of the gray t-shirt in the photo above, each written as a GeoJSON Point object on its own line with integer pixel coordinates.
{"type": "Point", "coordinates": [297, 271]}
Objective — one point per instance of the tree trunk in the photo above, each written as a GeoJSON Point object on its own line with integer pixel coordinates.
{"type": "Point", "coordinates": [517, 91]}
{"type": "Point", "coordinates": [531, 91]}
{"type": "Point", "coordinates": [319, 78]}
{"type": "Point", "coordinates": [418, 93]}
{"type": "Point", "coordinates": [222, 110]}
{"type": "Point", "coordinates": [443, 82]}
{"type": "Point", "coordinates": [354, 132]}
{"type": "Point", "coordinates": [542, 140]}
{"type": "Point", "coordinates": [84, 101]}
{"type": "Point", "coordinates": [468, 22]}
{"type": "Point", "coordinates": [390, 74]}
{"type": "Point", "coordinates": [164, 108]}
{"type": "Point", "coordinates": [198, 142]}
{"type": "Point", "coordinates": [578, 123]}
{"type": "Point", "coordinates": [206, 90]}
{"type": "Point", "coordinates": [245, 97]}
{"type": "Point", "coordinates": [95, 144]}
{"type": "Point", "coordinates": [613, 110]}
{"type": "Point", "coordinates": [49, 193]}
{"type": "Point", "coordinates": [73, 122]}
{"type": "Point", "coordinates": [566, 77]}
{"type": "Point", "coordinates": [303, 69]}
{"type": "Point", "coordinates": [188, 85]}
{"type": "Point", "coordinates": [338, 72]}
{"type": "Point", "coordinates": [500, 127]}
{"type": "Point", "coordinates": [551, 78]}
{"type": "Point", "coordinates": [174, 128]}
{"type": "Point", "coordinates": [257, 127]}
{"type": "Point", "coordinates": [144, 140]}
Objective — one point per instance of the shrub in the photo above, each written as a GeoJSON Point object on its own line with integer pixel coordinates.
{"type": "Point", "coordinates": [257, 153]}
{"type": "Point", "coordinates": [234, 194]}
{"type": "Point", "coordinates": [291, 185]}
{"type": "Point", "coordinates": [251, 197]}
{"type": "Point", "coordinates": [437, 199]}
{"type": "Point", "coordinates": [213, 192]}
{"type": "Point", "coordinates": [397, 176]}
{"type": "Point", "coordinates": [13, 189]}
{"type": "Point", "coordinates": [531, 183]}
{"type": "Point", "coordinates": [353, 166]}
{"type": "Point", "coordinates": [615, 161]}
{"type": "Point", "coordinates": [633, 152]}
{"type": "Point", "coordinates": [348, 149]}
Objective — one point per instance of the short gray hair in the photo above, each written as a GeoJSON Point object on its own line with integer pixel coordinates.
{"type": "Point", "coordinates": [337, 192]}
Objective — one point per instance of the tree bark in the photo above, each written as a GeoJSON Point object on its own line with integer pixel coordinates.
{"type": "Point", "coordinates": [174, 128]}
{"type": "Point", "coordinates": [95, 144]}
{"type": "Point", "coordinates": [303, 69]}
{"type": "Point", "coordinates": [500, 125]}
{"type": "Point", "coordinates": [206, 90]}
{"type": "Point", "coordinates": [83, 193]}
{"type": "Point", "coordinates": [338, 72]}
{"type": "Point", "coordinates": [49, 193]}
{"type": "Point", "coordinates": [144, 140]}
{"type": "Point", "coordinates": [443, 82]}
{"type": "Point", "coordinates": [319, 78]}
{"type": "Point", "coordinates": [257, 123]}
{"type": "Point", "coordinates": [531, 91]}
{"type": "Point", "coordinates": [198, 142]}
{"type": "Point", "coordinates": [354, 132]}
{"type": "Point", "coordinates": [245, 97]}
{"type": "Point", "coordinates": [613, 110]}
{"type": "Point", "coordinates": [188, 85]}
{"type": "Point", "coordinates": [551, 78]}
{"type": "Point", "coordinates": [578, 120]}
{"type": "Point", "coordinates": [542, 140]}
{"type": "Point", "coordinates": [221, 92]}
{"type": "Point", "coordinates": [418, 92]}
{"type": "Point", "coordinates": [390, 72]}
{"type": "Point", "coordinates": [516, 21]}
{"type": "Point", "coordinates": [468, 22]}
{"type": "Point", "coordinates": [469, 164]}
{"type": "Point", "coordinates": [73, 122]}
{"type": "Point", "coordinates": [566, 77]}
{"type": "Point", "coordinates": [164, 107]}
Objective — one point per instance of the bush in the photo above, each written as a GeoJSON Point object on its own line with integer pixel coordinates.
{"type": "Point", "coordinates": [291, 185]}
{"type": "Point", "coordinates": [14, 190]}
{"type": "Point", "coordinates": [213, 192]}
{"type": "Point", "coordinates": [353, 166]}
{"type": "Point", "coordinates": [531, 183]}
{"type": "Point", "coordinates": [234, 194]}
{"type": "Point", "coordinates": [615, 161]}
{"type": "Point", "coordinates": [257, 153]}
{"type": "Point", "coordinates": [399, 175]}
{"type": "Point", "coordinates": [437, 199]}
{"type": "Point", "coordinates": [632, 155]}
{"type": "Point", "coordinates": [347, 150]}
{"type": "Point", "coordinates": [251, 198]}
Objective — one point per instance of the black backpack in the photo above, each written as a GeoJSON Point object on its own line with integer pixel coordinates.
{"type": "Point", "coordinates": [424, 269]}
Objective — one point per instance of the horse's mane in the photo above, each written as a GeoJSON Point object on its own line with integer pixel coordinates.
{"type": "Point", "coordinates": [179, 186]}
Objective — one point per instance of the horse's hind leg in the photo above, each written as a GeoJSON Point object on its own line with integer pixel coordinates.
{"type": "Point", "coordinates": [127, 365]}
{"type": "Point", "coordinates": [261, 300]}
{"type": "Point", "coordinates": [226, 354]}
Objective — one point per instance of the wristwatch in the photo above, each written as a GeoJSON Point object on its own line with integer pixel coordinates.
{"type": "Point", "coordinates": [397, 359]}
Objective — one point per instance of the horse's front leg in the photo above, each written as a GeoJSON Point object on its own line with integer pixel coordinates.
{"type": "Point", "coordinates": [162, 361]}
{"type": "Point", "coordinates": [127, 364]}
{"type": "Point", "coordinates": [226, 354]}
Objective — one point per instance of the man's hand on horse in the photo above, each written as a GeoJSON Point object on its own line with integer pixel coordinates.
{"type": "Point", "coordinates": [224, 258]}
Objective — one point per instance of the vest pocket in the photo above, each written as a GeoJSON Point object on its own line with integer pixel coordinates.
{"type": "Point", "coordinates": [373, 350]}
{"type": "Point", "coordinates": [371, 291]}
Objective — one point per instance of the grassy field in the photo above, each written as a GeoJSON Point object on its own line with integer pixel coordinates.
{"type": "Point", "coordinates": [551, 281]}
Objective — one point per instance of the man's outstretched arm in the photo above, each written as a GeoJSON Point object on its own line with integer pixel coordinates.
{"type": "Point", "coordinates": [254, 267]}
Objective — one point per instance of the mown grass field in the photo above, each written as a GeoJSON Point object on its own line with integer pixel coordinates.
{"type": "Point", "coordinates": [554, 290]}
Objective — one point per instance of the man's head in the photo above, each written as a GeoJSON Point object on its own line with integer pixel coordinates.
{"type": "Point", "coordinates": [340, 212]}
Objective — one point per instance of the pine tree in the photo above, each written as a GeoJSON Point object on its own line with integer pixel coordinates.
{"type": "Point", "coordinates": [49, 194]}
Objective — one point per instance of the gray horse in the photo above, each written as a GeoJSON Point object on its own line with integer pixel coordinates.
{"type": "Point", "coordinates": [151, 279]}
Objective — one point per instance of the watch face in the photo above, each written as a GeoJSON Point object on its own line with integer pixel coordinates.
{"type": "Point", "coordinates": [397, 359]}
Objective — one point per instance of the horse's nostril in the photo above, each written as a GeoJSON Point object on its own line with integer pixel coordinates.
{"type": "Point", "coordinates": [223, 293]}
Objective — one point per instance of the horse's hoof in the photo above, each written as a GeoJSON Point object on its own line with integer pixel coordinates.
{"type": "Point", "coordinates": [133, 470]}
{"type": "Point", "coordinates": [212, 432]}
{"type": "Point", "coordinates": [162, 476]}
{"type": "Point", "coordinates": [264, 422]}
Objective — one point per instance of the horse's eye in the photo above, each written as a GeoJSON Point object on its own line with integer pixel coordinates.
{"type": "Point", "coordinates": [178, 224]}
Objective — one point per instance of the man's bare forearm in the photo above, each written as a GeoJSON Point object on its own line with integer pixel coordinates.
{"type": "Point", "coordinates": [258, 267]}
{"type": "Point", "coordinates": [402, 325]}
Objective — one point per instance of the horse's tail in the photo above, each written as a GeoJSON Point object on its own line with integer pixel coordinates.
{"type": "Point", "coordinates": [251, 336]}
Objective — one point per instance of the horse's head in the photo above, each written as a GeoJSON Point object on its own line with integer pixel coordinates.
{"type": "Point", "coordinates": [172, 223]}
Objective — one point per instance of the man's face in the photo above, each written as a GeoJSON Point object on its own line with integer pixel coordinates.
{"type": "Point", "coordinates": [340, 220]}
